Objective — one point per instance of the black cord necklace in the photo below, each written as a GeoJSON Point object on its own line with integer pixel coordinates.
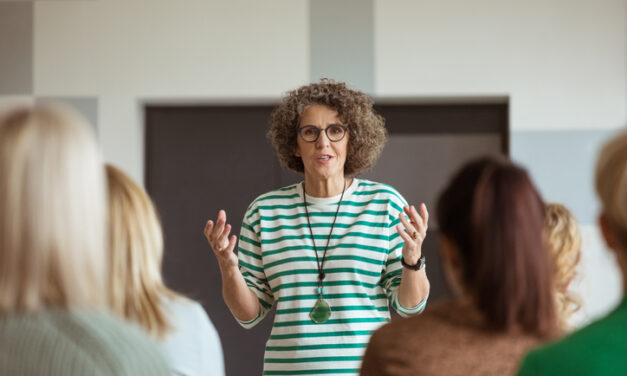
{"type": "Point", "coordinates": [321, 310]}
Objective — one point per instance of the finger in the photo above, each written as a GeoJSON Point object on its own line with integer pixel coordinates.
{"type": "Point", "coordinates": [223, 239]}
{"type": "Point", "coordinates": [219, 227]}
{"type": "Point", "coordinates": [410, 228]}
{"type": "Point", "coordinates": [208, 228]}
{"type": "Point", "coordinates": [424, 213]}
{"type": "Point", "coordinates": [403, 234]}
{"type": "Point", "coordinates": [232, 242]}
{"type": "Point", "coordinates": [422, 228]}
{"type": "Point", "coordinates": [414, 217]}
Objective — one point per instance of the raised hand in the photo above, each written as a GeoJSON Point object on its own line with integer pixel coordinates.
{"type": "Point", "coordinates": [414, 232]}
{"type": "Point", "coordinates": [218, 237]}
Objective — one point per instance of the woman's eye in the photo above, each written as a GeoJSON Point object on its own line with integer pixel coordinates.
{"type": "Point", "coordinates": [309, 132]}
{"type": "Point", "coordinates": [336, 130]}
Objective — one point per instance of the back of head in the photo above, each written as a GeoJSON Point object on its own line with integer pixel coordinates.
{"type": "Point", "coordinates": [52, 211]}
{"type": "Point", "coordinates": [611, 184]}
{"type": "Point", "coordinates": [136, 254]}
{"type": "Point", "coordinates": [493, 215]}
{"type": "Point", "coordinates": [564, 245]}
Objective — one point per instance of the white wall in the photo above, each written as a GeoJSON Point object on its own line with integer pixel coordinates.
{"type": "Point", "coordinates": [561, 62]}
{"type": "Point", "coordinates": [125, 52]}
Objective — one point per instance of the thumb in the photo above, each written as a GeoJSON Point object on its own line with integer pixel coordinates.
{"type": "Point", "coordinates": [231, 243]}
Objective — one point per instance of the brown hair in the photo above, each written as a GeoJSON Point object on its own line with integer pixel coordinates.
{"type": "Point", "coordinates": [367, 128]}
{"type": "Point", "coordinates": [611, 184]}
{"type": "Point", "coordinates": [493, 214]}
{"type": "Point", "coordinates": [136, 243]}
{"type": "Point", "coordinates": [564, 245]}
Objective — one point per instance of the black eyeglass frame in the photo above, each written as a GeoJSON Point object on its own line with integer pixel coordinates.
{"type": "Point", "coordinates": [319, 130]}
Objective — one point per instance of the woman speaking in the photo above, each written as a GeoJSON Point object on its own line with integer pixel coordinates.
{"type": "Point", "coordinates": [332, 251]}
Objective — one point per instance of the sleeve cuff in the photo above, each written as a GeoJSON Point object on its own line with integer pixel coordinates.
{"type": "Point", "coordinates": [406, 312]}
{"type": "Point", "coordinates": [253, 322]}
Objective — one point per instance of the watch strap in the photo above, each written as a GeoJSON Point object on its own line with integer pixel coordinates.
{"type": "Point", "coordinates": [420, 265]}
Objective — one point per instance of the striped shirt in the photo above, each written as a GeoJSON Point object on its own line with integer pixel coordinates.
{"type": "Point", "coordinates": [362, 267]}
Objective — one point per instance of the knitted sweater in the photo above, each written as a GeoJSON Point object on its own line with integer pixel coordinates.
{"type": "Point", "coordinates": [598, 349]}
{"type": "Point", "coordinates": [60, 342]}
{"type": "Point", "coordinates": [451, 339]}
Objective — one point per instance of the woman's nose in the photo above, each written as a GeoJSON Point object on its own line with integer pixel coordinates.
{"type": "Point", "coordinates": [322, 140]}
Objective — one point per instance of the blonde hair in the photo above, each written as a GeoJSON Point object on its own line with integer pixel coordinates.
{"type": "Point", "coordinates": [52, 211]}
{"type": "Point", "coordinates": [611, 183]}
{"type": "Point", "coordinates": [564, 245]}
{"type": "Point", "coordinates": [137, 288]}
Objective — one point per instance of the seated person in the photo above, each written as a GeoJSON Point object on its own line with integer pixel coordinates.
{"type": "Point", "coordinates": [490, 217]}
{"type": "Point", "coordinates": [53, 269]}
{"type": "Point", "coordinates": [564, 244]}
{"type": "Point", "coordinates": [601, 347]}
{"type": "Point", "coordinates": [188, 338]}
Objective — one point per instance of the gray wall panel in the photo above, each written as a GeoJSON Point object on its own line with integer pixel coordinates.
{"type": "Point", "coordinates": [342, 42]}
{"type": "Point", "coordinates": [562, 165]}
{"type": "Point", "coordinates": [16, 48]}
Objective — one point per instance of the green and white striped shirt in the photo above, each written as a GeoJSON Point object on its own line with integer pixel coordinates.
{"type": "Point", "coordinates": [362, 267]}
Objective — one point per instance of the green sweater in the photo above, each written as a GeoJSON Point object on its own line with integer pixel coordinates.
{"type": "Point", "coordinates": [598, 349]}
{"type": "Point", "coordinates": [61, 342]}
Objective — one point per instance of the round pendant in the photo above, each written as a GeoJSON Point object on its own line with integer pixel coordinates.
{"type": "Point", "coordinates": [320, 312]}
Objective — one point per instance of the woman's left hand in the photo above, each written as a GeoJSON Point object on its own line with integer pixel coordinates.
{"type": "Point", "coordinates": [414, 232]}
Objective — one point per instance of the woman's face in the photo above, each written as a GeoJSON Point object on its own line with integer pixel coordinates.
{"type": "Point", "coordinates": [323, 159]}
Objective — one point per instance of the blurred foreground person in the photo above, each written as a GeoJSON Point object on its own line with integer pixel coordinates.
{"type": "Point", "coordinates": [490, 218]}
{"type": "Point", "coordinates": [53, 267]}
{"type": "Point", "coordinates": [601, 347]}
{"type": "Point", "coordinates": [564, 245]}
{"type": "Point", "coordinates": [188, 339]}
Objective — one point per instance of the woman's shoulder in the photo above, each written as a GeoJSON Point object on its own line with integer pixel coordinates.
{"type": "Point", "coordinates": [284, 194]}
{"type": "Point", "coordinates": [79, 338]}
{"type": "Point", "coordinates": [437, 320]}
{"type": "Point", "coordinates": [376, 190]}
{"type": "Point", "coordinates": [194, 343]}
{"type": "Point", "coordinates": [186, 310]}
{"type": "Point", "coordinates": [590, 350]}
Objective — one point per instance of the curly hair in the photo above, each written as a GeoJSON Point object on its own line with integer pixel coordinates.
{"type": "Point", "coordinates": [564, 244]}
{"type": "Point", "coordinates": [367, 133]}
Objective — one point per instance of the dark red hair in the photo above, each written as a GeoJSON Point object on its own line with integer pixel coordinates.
{"type": "Point", "coordinates": [494, 215]}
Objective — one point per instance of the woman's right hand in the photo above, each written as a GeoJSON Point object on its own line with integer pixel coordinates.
{"type": "Point", "coordinates": [218, 237]}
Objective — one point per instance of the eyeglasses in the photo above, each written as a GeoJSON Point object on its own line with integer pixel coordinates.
{"type": "Point", "coordinates": [334, 132]}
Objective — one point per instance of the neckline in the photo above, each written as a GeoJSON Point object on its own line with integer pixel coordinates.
{"type": "Point", "coordinates": [311, 200]}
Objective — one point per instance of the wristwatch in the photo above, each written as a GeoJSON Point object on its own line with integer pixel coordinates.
{"type": "Point", "coordinates": [422, 262]}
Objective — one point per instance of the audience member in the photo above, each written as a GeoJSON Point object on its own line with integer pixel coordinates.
{"type": "Point", "coordinates": [490, 219]}
{"type": "Point", "coordinates": [187, 336]}
{"type": "Point", "coordinates": [601, 347]}
{"type": "Point", "coordinates": [53, 267]}
{"type": "Point", "coordinates": [564, 244]}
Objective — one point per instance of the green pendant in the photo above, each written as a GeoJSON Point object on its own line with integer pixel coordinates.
{"type": "Point", "coordinates": [320, 312]}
